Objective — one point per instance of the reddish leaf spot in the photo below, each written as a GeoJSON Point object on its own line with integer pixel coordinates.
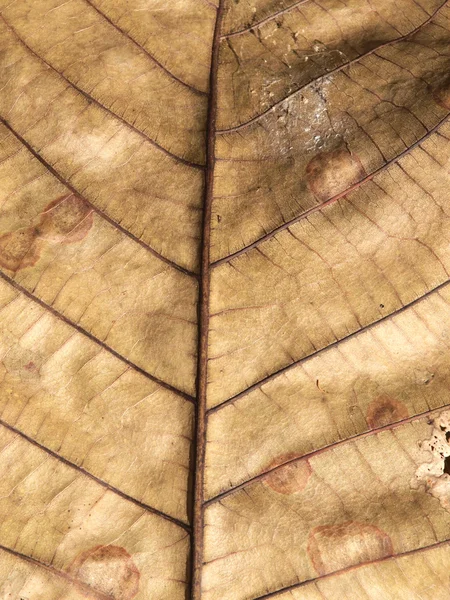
{"type": "Point", "coordinates": [291, 478]}
{"type": "Point", "coordinates": [109, 570]}
{"type": "Point", "coordinates": [19, 249]}
{"type": "Point", "coordinates": [64, 221]}
{"type": "Point", "coordinates": [385, 410]}
{"type": "Point", "coordinates": [330, 173]}
{"type": "Point", "coordinates": [335, 547]}
{"type": "Point", "coordinates": [30, 366]}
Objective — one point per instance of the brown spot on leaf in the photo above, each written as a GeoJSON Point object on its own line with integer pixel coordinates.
{"type": "Point", "coordinates": [19, 249]}
{"type": "Point", "coordinates": [289, 479]}
{"type": "Point", "coordinates": [109, 570]}
{"type": "Point", "coordinates": [330, 173]}
{"type": "Point", "coordinates": [335, 547]}
{"type": "Point", "coordinates": [64, 221]}
{"type": "Point", "coordinates": [385, 410]}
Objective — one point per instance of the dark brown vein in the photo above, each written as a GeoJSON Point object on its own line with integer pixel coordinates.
{"type": "Point", "coordinates": [353, 438]}
{"type": "Point", "coordinates": [203, 321]}
{"type": "Point", "coordinates": [296, 586]}
{"type": "Point", "coordinates": [321, 206]}
{"type": "Point", "coordinates": [97, 210]}
{"type": "Point", "coordinates": [101, 482]}
{"type": "Point", "coordinates": [92, 337]}
{"type": "Point", "coordinates": [144, 50]}
{"type": "Point", "coordinates": [265, 20]}
{"type": "Point", "coordinates": [91, 100]}
{"type": "Point", "coordinates": [89, 591]}
{"type": "Point", "coordinates": [332, 72]}
{"type": "Point", "coordinates": [295, 363]}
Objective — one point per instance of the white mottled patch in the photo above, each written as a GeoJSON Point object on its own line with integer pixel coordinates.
{"type": "Point", "coordinates": [431, 474]}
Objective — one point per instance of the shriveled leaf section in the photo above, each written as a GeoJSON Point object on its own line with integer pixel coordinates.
{"type": "Point", "coordinates": [328, 435]}
{"type": "Point", "coordinates": [101, 183]}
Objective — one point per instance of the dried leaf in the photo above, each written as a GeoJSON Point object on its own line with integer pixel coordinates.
{"type": "Point", "coordinates": [224, 299]}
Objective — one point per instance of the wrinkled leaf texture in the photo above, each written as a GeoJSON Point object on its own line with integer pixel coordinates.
{"type": "Point", "coordinates": [224, 299]}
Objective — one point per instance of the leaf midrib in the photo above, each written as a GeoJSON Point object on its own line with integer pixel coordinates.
{"type": "Point", "coordinates": [198, 501]}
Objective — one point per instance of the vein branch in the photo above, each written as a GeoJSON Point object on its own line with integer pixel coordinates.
{"type": "Point", "coordinates": [144, 50]}
{"type": "Point", "coordinates": [88, 590]}
{"type": "Point", "coordinates": [91, 100]}
{"type": "Point", "coordinates": [92, 337]}
{"type": "Point", "coordinates": [427, 413]}
{"type": "Point", "coordinates": [301, 360]}
{"type": "Point", "coordinates": [98, 480]}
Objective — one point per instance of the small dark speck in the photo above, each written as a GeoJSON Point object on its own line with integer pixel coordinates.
{"type": "Point", "coordinates": [442, 428]}
{"type": "Point", "coordinates": [219, 218]}
{"type": "Point", "coordinates": [447, 436]}
{"type": "Point", "coordinates": [381, 305]}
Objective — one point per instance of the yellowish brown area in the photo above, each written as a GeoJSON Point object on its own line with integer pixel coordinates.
{"type": "Point", "coordinates": [51, 513]}
{"type": "Point", "coordinates": [317, 140]}
{"type": "Point", "coordinates": [351, 512]}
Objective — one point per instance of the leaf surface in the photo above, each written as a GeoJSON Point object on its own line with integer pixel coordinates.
{"type": "Point", "coordinates": [224, 299]}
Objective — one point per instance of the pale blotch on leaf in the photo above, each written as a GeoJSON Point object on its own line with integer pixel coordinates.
{"type": "Point", "coordinates": [64, 221]}
{"type": "Point", "coordinates": [335, 547]}
{"type": "Point", "coordinates": [109, 570]}
{"type": "Point", "coordinates": [291, 478]}
{"type": "Point", "coordinates": [333, 172]}
{"type": "Point", "coordinates": [434, 475]}
{"type": "Point", "coordinates": [385, 410]}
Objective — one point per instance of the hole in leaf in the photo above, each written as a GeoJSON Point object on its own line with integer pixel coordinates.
{"type": "Point", "coordinates": [447, 465]}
